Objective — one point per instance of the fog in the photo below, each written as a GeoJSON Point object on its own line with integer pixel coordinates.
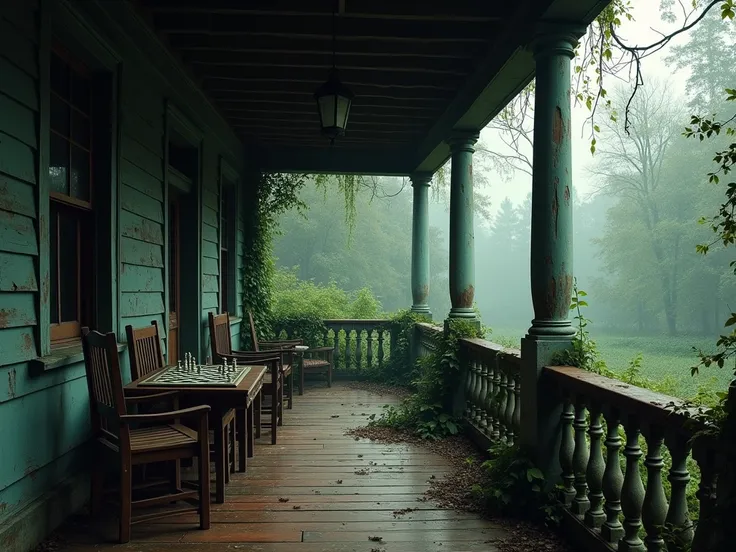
{"type": "Point", "coordinates": [635, 235]}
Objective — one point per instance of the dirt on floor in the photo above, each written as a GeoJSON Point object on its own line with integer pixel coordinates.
{"type": "Point", "coordinates": [454, 489]}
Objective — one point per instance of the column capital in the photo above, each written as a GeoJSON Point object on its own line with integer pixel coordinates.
{"type": "Point", "coordinates": [556, 37]}
{"type": "Point", "coordinates": [463, 140]}
{"type": "Point", "coordinates": [421, 179]}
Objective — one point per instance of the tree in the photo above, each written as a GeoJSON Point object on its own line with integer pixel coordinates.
{"type": "Point", "coordinates": [630, 166]}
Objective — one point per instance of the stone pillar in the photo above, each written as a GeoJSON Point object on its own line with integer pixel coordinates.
{"type": "Point", "coordinates": [462, 239]}
{"type": "Point", "coordinates": [551, 239]}
{"type": "Point", "coordinates": [420, 244]}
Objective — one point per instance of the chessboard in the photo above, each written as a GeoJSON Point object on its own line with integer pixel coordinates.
{"type": "Point", "coordinates": [200, 375]}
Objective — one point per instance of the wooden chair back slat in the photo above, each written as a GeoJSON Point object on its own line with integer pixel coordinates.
{"type": "Point", "coordinates": [253, 334]}
{"type": "Point", "coordinates": [144, 350]}
{"type": "Point", "coordinates": [220, 340]}
{"type": "Point", "coordinates": [104, 380]}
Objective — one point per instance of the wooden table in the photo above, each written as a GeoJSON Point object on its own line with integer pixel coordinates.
{"type": "Point", "coordinates": [246, 395]}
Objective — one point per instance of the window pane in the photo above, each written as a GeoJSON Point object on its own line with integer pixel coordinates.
{"type": "Point", "coordinates": [80, 92]}
{"type": "Point", "coordinates": [59, 164]}
{"type": "Point", "coordinates": [59, 115]}
{"type": "Point", "coordinates": [59, 76]}
{"type": "Point", "coordinates": [80, 129]}
{"type": "Point", "coordinates": [53, 248]}
{"type": "Point", "coordinates": [68, 266]}
{"type": "Point", "coordinates": [80, 174]}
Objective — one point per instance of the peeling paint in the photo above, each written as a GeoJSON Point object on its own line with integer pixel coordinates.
{"type": "Point", "coordinates": [31, 471]}
{"type": "Point", "coordinates": [465, 297]}
{"type": "Point", "coordinates": [420, 294]}
{"type": "Point", "coordinates": [555, 204]}
{"type": "Point", "coordinates": [27, 342]}
{"type": "Point", "coordinates": [6, 315]}
{"type": "Point", "coordinates": [12, 383]}
{"type": "Point", "coordinates": [3, 507]}
{"type": "Point", "coordinates": [558, 127]}
{"type": "Point", "coordinates": [567, 195]}
{"type": "Point", "coordinates": [558, 296]}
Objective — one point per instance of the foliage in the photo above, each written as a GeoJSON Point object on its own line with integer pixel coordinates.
{"type": "Point", "coordinates": [515, 487]}
{"type": "Point", "coordinates": [399, 369]}
{"type": "Point", "coordinates": [428, 411]}
{"type": "Point", "coordinates": [273, 195]}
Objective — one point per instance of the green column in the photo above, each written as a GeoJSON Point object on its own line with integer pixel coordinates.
{"type": "Point", "coordinates": [551, 236]}
{"type": "Point", "coordinates": [462, 239]}
{"type": "Point", "coordinates": [420, 244]}
{"type": "Point", "coordinates": [551, 240]}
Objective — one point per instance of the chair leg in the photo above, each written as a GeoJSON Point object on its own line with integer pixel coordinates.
{"type": "Point", "coordinates": [96, 489]}
{"type": "Point", "coordinates": [233, 445]}
{"type": "Point", "coordinates": [274, 415]}
{"type": "Point", "coordinates": [280, 401]}
{"type": "Point", "coordinates": [243, 434]}
{"type": "Point", "coordinates": [204, 479]}
{"type": "Point", "coordinates": [126, 500]}
{"type": "Point", "coordinates": [248, 443]}
{"type": "Point", "coordinates": [220, 461]}
{"type": "Point", "coordinates": [226, 452]}
{"type": "Point", "coordinates": [290, 396]}
{"type": "Point", "coordinates": [301, 378]}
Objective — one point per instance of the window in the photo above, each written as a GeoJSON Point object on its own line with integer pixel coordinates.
{"type": "Point", "coordinates": [225, 209]}
{"type": "Point", "coordinates": [71, 236]}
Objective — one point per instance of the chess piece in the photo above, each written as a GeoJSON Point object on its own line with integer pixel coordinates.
{"type": "Point", "coordinates": [178, 366]}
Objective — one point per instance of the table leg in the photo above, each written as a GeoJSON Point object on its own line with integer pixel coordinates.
{"type": "Point", "coordinates": [291, 388]}
{"type": "Point", "coordinates": [275, 407]}
{"type": "Point", "coordinates": [257, 414]}
{"type": "Point", "coordinates": [249, 422]}
{"type": "Point", "coordinates": [280, 400]}
{"type": "Point", "coordinates": [220, 460]}
{"type": "Point", "coordinates": [244, 436]}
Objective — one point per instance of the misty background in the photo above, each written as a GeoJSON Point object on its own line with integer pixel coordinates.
{"type": "Point", "coordinates": [637, 200]}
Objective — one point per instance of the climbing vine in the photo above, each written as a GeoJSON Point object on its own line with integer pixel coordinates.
{"type": "Point", "coordinates": [273, 195]}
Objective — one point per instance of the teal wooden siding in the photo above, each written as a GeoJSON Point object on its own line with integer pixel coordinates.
{"type": "Point", "coordinates": [142, 209]}
{"type": "Point", "coordinates": [44, 415]}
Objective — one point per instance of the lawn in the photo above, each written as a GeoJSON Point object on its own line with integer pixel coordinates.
{"type": "Point", "coordinates": [662, 356]}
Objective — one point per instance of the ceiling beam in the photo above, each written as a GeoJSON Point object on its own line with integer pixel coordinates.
{"type": "Point", "coordinates": [325, 160]}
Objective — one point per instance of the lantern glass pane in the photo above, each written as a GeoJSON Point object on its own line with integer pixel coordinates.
{"type": "Point", "coordinates": [343, 107]}
{"type": "Point", "coordinates": [327, 111]}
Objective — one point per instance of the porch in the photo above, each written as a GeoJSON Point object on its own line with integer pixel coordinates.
{"type": "Point", "coordinates": [316, 490]}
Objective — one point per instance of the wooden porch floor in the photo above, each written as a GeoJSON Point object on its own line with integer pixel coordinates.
{"type": "Point", "coordinates": [316, 490]}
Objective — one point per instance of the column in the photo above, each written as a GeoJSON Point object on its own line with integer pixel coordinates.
{"type": "Point", "coordinates": [462, 239]}
{"type": "Point", "coordinates": [420, 244]}
{"type": "Point", "coordinates": [551, 236]}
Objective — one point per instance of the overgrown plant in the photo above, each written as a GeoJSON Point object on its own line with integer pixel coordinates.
{"type": "Point", "coordinates": [428, 411]}
{"type": "Point", "coordinates": [515, 487]}
{"type": "Point", "coordinates": [400, 368]}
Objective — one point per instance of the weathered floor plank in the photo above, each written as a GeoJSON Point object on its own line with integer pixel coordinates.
{"type": "Point", "coordinates": [316, 490]}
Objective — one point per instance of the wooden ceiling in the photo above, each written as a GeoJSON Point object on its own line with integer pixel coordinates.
{"type": "Point", "coordinates": [260, 61]}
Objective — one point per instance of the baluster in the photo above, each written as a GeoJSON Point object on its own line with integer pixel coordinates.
{"type": "Point", "coordinates": [348, 349]}
{"type": "Point", "coordinates": [679, 476]}
{"type": "Point", "coordinates": [338, 357]}
{"type": "Point", "coordinates": [613, 480]}
{"type": "Point", "coordinates": [359, 349]}
{"type": "Point", "coordinates": [501, 404]}
{"type": "Point", "coordinates": [380, 348]}
{"type": "Point", "coordinates": [476, 393]}
{"type": "Point", "coordinates": [517, 405]}
{"type": "Point", "coordinates": [508, 417]}
{"type": "Point", "coordinates": [369, 338]}
{"type": "Point", "coordinates": [492, 398]}
{"type": "Point", "coordinates": [483, 398]}
{"type": "Point", "coordinates": [580, 461]}
{"type": "Point", "coordinates": [498, 429]}
{"type": "Point", "coordinates": [595, 516]}
{"type": "Point", "coordinates": [654, 508]}
{"type": "Point", "coordinates": [706, 494]}
{"type": "Point", "coordinates": [632, 491]}
{"type": "Point", "coordinates": [469, 390]}
{"type": "Point", "coordinates": [567, 451]}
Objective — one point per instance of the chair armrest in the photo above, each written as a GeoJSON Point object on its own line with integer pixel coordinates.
{"type": "Point", "coordinates": [195, 411]}
{"type": "Point", "coordinates": [320, 350]}
{"type": "Point", "coordinates": [135, 399]}
{"type": "Point", "coordinates": [288, 342]}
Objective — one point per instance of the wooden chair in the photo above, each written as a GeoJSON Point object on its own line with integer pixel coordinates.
{"type": "Point", "coordinates": [273, 386]}
{"type": "Point", "coordinates": [314, 359]}
{"type": "Point", "coordinates": [146, 355]}
{"type": "Point", "coordinates": [117, 434]}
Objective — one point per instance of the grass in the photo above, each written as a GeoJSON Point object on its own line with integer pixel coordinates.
{"type": "Point", "coordinates": [662, 356]}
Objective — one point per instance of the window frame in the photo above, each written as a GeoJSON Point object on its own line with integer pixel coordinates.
{"type": "Point", "coordinates": [64, 333]}
{"type": "Point", "coordinates": [228, 239]}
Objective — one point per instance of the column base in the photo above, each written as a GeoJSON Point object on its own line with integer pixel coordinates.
{"type": "Point", "coordinates": [422, 310]}
{"type": "Point", "coordinates": [463, 313]}
{"type": "Point", "coordinates": [551, 330]}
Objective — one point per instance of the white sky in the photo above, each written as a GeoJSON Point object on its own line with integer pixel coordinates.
{"type": "Point", "coordinates": [639, 32]}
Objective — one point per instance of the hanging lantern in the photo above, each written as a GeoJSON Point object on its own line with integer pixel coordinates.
{"type": "Point", "coordinates": [333, 102]}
